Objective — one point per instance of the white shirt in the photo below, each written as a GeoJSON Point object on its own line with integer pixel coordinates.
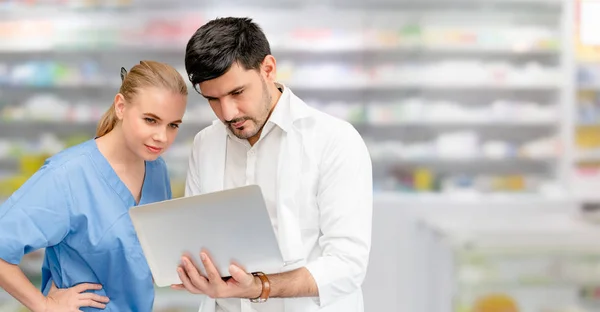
{"type": "Point", "coordinates": [320, 203]}
{"type": "Point", "coordinates": [246, 164]}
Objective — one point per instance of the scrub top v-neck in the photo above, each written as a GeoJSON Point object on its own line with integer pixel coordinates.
{"type": "Point", "coordinates": [77, 207]}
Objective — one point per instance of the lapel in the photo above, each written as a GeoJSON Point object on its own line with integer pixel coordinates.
{"type": "Point", "coordinates": [292, 164]}
{"type": "Point", "coordinates": [291, 167]}
{"type": "Point", "coordinates": [212, 159]}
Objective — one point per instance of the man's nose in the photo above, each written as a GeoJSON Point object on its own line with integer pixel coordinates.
{"type": "Point", "coordinates": [229, 110]}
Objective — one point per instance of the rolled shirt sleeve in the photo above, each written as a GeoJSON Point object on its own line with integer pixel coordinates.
{"type": "Point", "coordinates": [345, 200]}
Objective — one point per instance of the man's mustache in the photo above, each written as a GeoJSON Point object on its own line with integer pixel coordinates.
{"type": "Point", "coordinates": [238, 120]}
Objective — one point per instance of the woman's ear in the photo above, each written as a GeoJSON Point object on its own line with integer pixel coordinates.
{"type": "Point", "coordinates": [119, 103]}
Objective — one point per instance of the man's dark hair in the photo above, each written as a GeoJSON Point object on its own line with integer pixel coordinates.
{"type": "Point", "coordinates": [221, 42]}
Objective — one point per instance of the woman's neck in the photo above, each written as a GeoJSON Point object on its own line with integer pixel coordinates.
{"type": "Point", "coordinates": [115, 150]}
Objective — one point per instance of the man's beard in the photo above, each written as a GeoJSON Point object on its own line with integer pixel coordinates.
{"type": "Point", "coordinates": [258, 124]}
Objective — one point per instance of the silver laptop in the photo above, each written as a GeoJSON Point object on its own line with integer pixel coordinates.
{"type": "Point", "coordinates": [232, 225]}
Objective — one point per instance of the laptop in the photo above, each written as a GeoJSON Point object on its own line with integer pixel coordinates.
{"type": "Point", "coordinates": [233, 226]}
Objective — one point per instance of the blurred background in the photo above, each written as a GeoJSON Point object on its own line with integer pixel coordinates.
{"type": "Point", "coordinates": [482, 118]}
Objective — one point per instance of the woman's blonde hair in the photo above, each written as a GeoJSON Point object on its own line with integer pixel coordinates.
{"type": "Point", "coordinates": [144, 74]}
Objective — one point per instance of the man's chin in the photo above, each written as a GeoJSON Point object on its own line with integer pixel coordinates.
{"type": "Point", "coordinates": [242, 134]}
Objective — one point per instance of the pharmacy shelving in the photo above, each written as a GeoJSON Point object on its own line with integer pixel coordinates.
{"type": "Point", "coordinates": [478, 76]}
{"type": "Point", "coordinates": [538, 262]}
{"type": "Point", "coordinates": [456, 99]}
{"type": "Point", "coordinates": [586, 169]}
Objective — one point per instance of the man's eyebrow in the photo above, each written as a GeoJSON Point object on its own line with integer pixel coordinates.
{"type": "Point", "coordinates": [237, 89]}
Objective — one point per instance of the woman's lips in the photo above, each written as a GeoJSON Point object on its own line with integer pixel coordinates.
{"type": "Point", "coordinates": [153, 149]}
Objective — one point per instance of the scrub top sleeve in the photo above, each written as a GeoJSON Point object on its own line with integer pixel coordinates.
{"type": "Point", "coordinates": [36, 216]}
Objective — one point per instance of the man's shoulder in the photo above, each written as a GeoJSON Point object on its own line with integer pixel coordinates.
{"type": "Point", "coordinates": [331, 127]}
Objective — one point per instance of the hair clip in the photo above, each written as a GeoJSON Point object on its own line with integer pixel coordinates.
{"type": "Point", "coordinates": [123, 73]}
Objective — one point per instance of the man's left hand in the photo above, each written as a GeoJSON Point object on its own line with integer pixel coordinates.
{"type": "Point", "coordinates": [240, 285]}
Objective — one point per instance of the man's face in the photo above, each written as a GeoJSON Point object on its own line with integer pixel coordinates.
{"type": "Point", "coordinates": [241, 100]}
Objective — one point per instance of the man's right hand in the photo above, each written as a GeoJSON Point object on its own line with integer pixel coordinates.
{"type": "Point", "coordinates": [71, 299]}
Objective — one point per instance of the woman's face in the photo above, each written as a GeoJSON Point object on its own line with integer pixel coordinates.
{"type": "Point", "coordinates": [150, 123]}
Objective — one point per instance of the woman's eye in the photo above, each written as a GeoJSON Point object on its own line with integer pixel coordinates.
{"type": "Point", "coordinates": [174, 126]}
{"type": "Point", "coordinates": [150, 120]}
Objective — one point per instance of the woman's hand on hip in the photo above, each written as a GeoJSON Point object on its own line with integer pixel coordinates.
{"type": "Point", "coordinates": [71, 299]}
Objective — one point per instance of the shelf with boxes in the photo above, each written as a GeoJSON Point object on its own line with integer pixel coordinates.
{"type": "Point", "coordinates": [394, 79]}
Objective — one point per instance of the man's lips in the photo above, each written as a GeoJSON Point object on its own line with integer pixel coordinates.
{"type": "Point", "coordinates": [238, 124]}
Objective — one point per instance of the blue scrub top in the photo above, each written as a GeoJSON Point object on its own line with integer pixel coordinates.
{"type": "Point", "coordinates": [77, 208]}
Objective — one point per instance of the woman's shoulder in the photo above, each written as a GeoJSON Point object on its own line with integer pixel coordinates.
{"type": "Point", "coordinates": [72, 156]}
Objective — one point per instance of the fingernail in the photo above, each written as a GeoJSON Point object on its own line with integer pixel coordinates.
{"type": "Point", "coordinates": [233, 268]}
{"type": "Point", "coordinates": [203, 256]}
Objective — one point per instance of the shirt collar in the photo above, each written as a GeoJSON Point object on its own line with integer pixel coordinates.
{"type": "Point", "coordinates": [281, 113]}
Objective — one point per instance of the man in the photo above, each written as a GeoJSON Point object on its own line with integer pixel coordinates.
{"type": "Point", "coordinates": [314, 171]}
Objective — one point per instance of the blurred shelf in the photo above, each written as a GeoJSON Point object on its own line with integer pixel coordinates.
{"type": "Point", "coordinates": [8, 164]}
{"type": "Point", "coordinates": [178, 49]}
{"type": "Point", "coordinates": [343, 86]}
{"type": "Point", "coordinates": [469, 160]}
{"type": "Point", "coordinates": [528, 283]}
{"type": "Point", "coordinates": [447, 85]}
{"type": "Point", "coordinates": [588, 87]}
{"type": "Point", "coordinates": [587, 156]}
{"type": "Point", "coordinates": [471, 51]}
{"type": "Point", "coordinates": [481, 165]}
{"type": "Point", "coordinates": [447, 125]}
{"type": "Point", "coordinates": [35, 128]}
{"type": "Point", "coordinates": [33, 10]}
{"type": "Point", "coordinates": [20, 128]}
{"type": "Point", "coordinates": [470, 197]}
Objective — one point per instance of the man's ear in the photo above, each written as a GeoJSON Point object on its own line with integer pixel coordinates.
{"type": "Point", "coordinates": [119, 104]}
{"type": "Point", "coordinates": [269, 68]}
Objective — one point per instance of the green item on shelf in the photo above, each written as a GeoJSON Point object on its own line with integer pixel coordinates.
{"type": "Point", "coordinates": [411, 29]}
{"type": "Point", "coordinates": [74, 140]}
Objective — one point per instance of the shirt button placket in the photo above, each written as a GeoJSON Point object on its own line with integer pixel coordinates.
{"type": "Point", "coordinates": [251, 167]}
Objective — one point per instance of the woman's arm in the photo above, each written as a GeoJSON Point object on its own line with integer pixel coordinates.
{"type": "Point", "coordinates": [37, 216]}
{"type": "Point", "coordinates": [14, 281]}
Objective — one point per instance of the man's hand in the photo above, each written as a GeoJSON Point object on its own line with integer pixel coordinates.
{"type": "Point", "coordinates": [71, 299]}
{"type": "Point", "coordinates": [240, 285]}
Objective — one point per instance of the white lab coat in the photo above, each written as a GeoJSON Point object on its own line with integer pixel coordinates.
{"type": "Point", "coordinates": [324, 205]}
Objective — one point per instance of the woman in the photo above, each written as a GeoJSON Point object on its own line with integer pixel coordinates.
{"type": "Point", "coordinates": [76, 205]}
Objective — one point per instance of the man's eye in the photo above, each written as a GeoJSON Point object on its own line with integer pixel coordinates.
{"type": "Point", "coordinates": [238, 92]}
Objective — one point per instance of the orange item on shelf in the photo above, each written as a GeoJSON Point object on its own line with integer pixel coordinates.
{"type": "Point", "coordinates": [496, 303]}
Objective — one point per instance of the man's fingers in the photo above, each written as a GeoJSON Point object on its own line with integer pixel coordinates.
{"type": "Point", "coordinates": [185, 281]}
{"type": "Point", "coordinates": [240, 275]}
{"type": "Point", "coordinates": [211, 271]}
{"type": "Point", "coordinates": [178, 287]}
{"type": "Point", "coordinates": [91, 303]}
{"type": "Point", "coordinates": [95, 297]}
{"type": "Point", "coordinates": [86, 286]}
{"type": "Point", "coordinates": [192, 272]}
